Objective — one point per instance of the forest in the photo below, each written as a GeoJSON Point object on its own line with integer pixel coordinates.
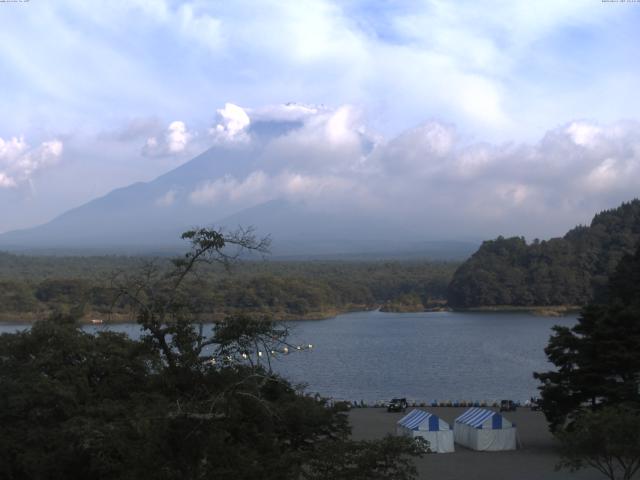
{"type": "Point", "coordinates": [32, 287]}
{"type": "Point", "coordinates": [178, 403]}
{"type": "Point", "coordinates": [572, 270]}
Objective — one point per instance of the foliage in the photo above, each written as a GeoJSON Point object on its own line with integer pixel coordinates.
{"type": "Point", "coordinates": [597, 360]}
{"type": "Point", "coordinates": [386, 459]}
{"type": "Point", "coordinates": [283, 289]}
{"type": "Point", "coordinates": [179, 404]}
{"type": "Point", "coordinates": [572, 270]}
{"type": "Point", "coordinates": [71, 403]}
{"type": "Point", "coordinates": [607, 440]}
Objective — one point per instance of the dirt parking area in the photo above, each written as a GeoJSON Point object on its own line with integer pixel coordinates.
{"type": "Point", "coordinates": [535, 460]}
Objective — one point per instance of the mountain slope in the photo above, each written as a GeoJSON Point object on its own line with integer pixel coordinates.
{"type": "Point", "coordinates": [141, 214]}
{"type": "Point", "coordinates": [299, 229]}
{"type": "Point", "coordinates": [571, 270]}
{"type": "Point", "coordinates": [149, 217]}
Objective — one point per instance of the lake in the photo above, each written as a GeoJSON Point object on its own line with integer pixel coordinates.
{"type": "Point", "coordinates": [373, 356]}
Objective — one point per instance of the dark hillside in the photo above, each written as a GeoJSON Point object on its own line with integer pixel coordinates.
{"type": "Point", "coordinates": [571, 270]}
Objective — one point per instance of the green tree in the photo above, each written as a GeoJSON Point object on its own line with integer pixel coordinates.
{"type": "Point", "coordinates": [607, 440]}
{"type": "Point", "coordinates": [71, 403]}
{"type": "Point", "coordinates": [571, 270]}
{"type": "Point", "coordinates": [598, 360]}
{"type": "Point", "coordinates": [185, 402]}
{"type": "Point", "coordinates": [364, 460]}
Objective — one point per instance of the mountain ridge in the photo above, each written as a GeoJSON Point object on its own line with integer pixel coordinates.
{"type": "Point", "coordinates": [150, 216]}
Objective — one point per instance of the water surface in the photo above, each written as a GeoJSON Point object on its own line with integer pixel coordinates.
{"type": "Point", "coordinates": [424, 356]}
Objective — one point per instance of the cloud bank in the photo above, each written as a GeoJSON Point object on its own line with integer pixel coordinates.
{"type": "Point", "coordinates": [487, 67]}
{"type": "Point", "coordinates": [496, 71]}
{"type": "Point", "coordinates": [432, 175]}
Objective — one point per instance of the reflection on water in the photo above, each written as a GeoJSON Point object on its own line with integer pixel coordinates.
{"type": "Point", "coordinates": [424, 356]}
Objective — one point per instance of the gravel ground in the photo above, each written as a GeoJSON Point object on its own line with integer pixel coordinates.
{"type": "Point", "coordinates": [535, 460]}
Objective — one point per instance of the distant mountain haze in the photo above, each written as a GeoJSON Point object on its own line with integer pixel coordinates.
{"type": "Point", "coordinates": [151, 216]}
{"type": "Point", "coordinates": [321, 183]}
{"type": "Point", "coordinates": [142, 214]}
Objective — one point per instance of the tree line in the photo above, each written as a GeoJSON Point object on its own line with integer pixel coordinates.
{"type": "Point", "coordinates": [572, 270]}
{"type": "Point", "coordinates": [37, 286]}
{"type": "Point", "coordinates": [592, 398]}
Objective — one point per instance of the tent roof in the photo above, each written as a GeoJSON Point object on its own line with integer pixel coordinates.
{"type": "Point", "coordinates": [415, 418]}
{"type": "Point", "coordinates": [476, 417]}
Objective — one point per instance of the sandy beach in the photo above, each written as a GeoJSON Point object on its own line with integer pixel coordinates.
{"type": "Point", "coordinates": [535, 460]}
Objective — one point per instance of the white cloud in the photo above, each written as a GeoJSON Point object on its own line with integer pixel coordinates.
{"type": "Point", "coordinates": [432, 171]}
{"type": "Point", "coordinates": [18, 162]}
{"type": "Point", "coordinates": [289, 112]}
{"type": "Point", "coordinates": [250, 191]}
{"type": "Point", "coordinates": [332, 141]}
{"type": "Point", "coordinates": [259, 187]}
{"type": "Point", "coordinates": [487, 67]}
{"type": "Point", "coordinates": [432, 175]}
{"type": "Point", "coordinates": [52, 148]}
{"type": "Point", "coordinates": [177, 137]}
{"type": "Point", "coordinates": [583, 134]}
{"type": "Point", "coordinates": [233, 124]}
{"type": "Point", "coordinates": [473, 160]}
{"type": "Point", "coordinates": [417, 149]}
{"type": "Point", "coordinates": [174, 141]}
{"type": "Point", "coordinates": [514, 194]}
{"type": "Point", "coordinates": [604, 176]}
{"type": "Point", "coordinates": [12, 148]}
{"type": "Point", "coordinates": [201, 27]}
{"type": "Point", "coordinates": [152, 143]}
{"type": "Point", "coordinates": [340, 127]}
{"type": "Point", "coordinates": [6, 181]}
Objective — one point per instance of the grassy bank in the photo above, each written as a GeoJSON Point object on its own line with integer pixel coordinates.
{"type": "Point", "coordinates": [122, 317]}
{"type": "Point", "coordinates": [543, 311]}
{"type": "Point", "coordinates": [317, 314]}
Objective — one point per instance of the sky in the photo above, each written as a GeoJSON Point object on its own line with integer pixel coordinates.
{"type": "Point", "coordinates": [522, 114]}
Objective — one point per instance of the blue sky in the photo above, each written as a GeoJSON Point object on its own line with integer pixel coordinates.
{"type": "Point", "coordinates": [86, 85]}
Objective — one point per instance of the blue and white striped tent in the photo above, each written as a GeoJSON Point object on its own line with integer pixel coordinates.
{"type": "Point", "coordinates": [481, 429]}
{"type": "Point", "coordinates": [418, 423]}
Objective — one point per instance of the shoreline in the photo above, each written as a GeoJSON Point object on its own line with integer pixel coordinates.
{"type": "Point", "coordinates": [540, 310]}
{"type": "Point", "coordinates": [118, 317]}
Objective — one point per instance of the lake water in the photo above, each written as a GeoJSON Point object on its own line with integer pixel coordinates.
{"type": "Point", "coordinates": [374, 356]}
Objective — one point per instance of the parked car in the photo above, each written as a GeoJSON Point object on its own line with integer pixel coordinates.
{"type": "Point", "coordinates": [508, 406]}
{"type": "Point", "coordinates": [397, 405]}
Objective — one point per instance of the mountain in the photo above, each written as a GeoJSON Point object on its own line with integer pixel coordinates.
{"type": "Point", "coordinates": [301, 230]}
{"type": "Point", "coordinates": [149, 217]}
{"type": "Point", "coordinates": [572, 270]}
{"type": "Point", "coordinates": [140, 215]}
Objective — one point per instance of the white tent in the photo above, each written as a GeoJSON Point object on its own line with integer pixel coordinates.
{"type": "Point", "coordinates": [418, 423]}
{"type": "Point", "coordinates": [481, 429]}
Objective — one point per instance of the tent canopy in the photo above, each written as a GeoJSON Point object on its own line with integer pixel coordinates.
{"type": "Point", "coordinates": [484, 419]}
{"type": "Point", "coordinates": [421, 424]}
{"type": "Point", "coordinates": [421, 420]}
{"type": "Point", "coordinates": [481, 429]}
